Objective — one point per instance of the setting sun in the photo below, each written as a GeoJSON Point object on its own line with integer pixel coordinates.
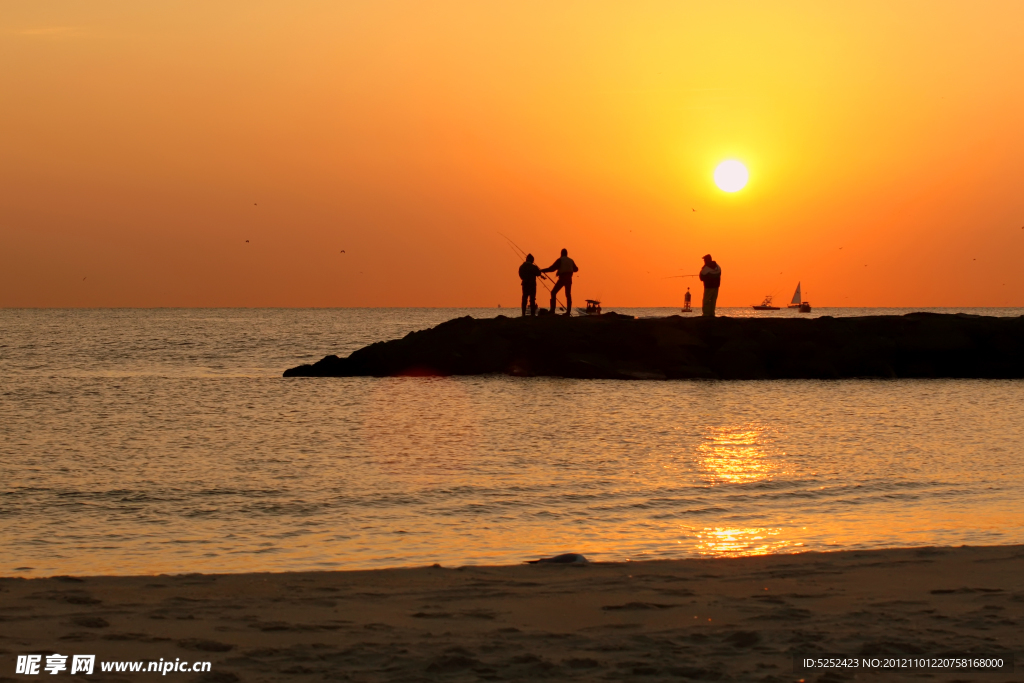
{"type": "Point", "coordinates": [731, 176]}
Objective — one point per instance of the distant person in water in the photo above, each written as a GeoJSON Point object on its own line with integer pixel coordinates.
{"type": "Point", "coordinates": [565, 267]}
{"type": "Point", "coordinates": [687, 299]}
{"type": "Point", "coordinates": [528, 273]}
{"type": "Point", "coordinates": [711, 276]}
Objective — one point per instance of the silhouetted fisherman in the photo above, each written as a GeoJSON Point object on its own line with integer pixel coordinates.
{"type": "Point", "coordinates": [565, 267]}
{"type": "Point", "coordinates": [528, 273]}
{"type": "Point", "coordinates": [711, 276]}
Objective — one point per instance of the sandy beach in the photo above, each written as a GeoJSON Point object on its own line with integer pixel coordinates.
{"type": "Point", "coordinates": [709, 619]}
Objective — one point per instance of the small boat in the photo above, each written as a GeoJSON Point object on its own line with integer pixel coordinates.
{"type": "Point", "coordinates": [766, 305]}
{"type": "Point", "coordinates": [593, 307]}
{"type": "Point", "coordinates": [798, 302]}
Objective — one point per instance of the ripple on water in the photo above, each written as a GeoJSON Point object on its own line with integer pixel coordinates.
{"type": "Point", "coordinates": [165, 441]}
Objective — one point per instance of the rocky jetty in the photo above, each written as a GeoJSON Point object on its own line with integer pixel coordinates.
{"type": "Point", "coordinates": [615, 346]}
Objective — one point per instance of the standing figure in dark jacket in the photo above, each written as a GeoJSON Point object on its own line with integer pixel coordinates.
{"type": "Point", "coordinates": [565, 267]}
{"type": "Point", "coordinates": [528, 273]}
{"type": "Point", "coordinates": [711, 276]}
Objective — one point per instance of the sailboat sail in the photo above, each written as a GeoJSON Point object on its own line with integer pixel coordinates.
{"type": "Point", "coordinates": [796, 295]}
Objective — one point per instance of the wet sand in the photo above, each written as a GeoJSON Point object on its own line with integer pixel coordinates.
{"type": "Point", "coordinates": [715, 619]}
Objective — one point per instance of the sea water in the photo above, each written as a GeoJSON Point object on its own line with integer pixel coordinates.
{"type": "Point", "coordinates": [149, 441]}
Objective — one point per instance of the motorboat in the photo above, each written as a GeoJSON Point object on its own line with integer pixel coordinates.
{"type": "Point", "coordinates": [766, 305]}
{"type": "Point", "coordinates": [593, 307]}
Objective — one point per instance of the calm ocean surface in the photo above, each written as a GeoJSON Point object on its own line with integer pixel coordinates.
{"type": "Point", "coordinates": [147, 441]}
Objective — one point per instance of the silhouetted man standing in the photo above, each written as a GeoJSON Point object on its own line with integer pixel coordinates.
{"type": "Point", "coordinates": [528, 273]}
{"type": "Point", "coordinates": [565, 267]}
{"type": "Point", "coordinates": [711, 276]}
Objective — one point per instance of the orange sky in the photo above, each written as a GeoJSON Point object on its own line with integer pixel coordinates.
{"type": "Point", "coordinates": [142, 144]}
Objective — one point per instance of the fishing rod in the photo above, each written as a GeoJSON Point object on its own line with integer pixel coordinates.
{"type": "Point", "coordinates": [516, 249]}
{"type": "Point", "coordinates": [669, 277]}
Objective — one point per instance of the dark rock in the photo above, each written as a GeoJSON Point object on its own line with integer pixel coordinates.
{"type": "Point", "coordinates": [615, 346]}
{"type": "Point", "coordinates": [565, 558]}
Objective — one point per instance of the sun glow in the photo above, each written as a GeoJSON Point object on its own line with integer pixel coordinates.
{"type": "Point", "coordinates": [731, 176]}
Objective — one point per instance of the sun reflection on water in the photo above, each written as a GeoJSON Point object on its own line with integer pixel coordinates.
{"type": "Point", "coordinates": [739, 455]}
{"type": "Point", "coordinates": [740, 542]}
{"type": "Point", "coordinates": [743, 454]}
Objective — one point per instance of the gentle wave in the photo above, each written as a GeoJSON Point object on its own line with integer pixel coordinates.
{"type": "Point", "coordinates": [166, 441]}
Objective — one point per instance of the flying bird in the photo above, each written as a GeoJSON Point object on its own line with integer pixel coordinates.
{"type": "Point", "coordinates": [247, 241]}
{"type": "Point", "coordinates": [83, 279]}
{"type": "Point", "coordinates": [342, 251]}
{"type": "Point", "coordinates": [693, 209]}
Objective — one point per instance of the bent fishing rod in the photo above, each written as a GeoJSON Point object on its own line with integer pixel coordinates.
{"type": "Point", "coordinates": [517, 250]}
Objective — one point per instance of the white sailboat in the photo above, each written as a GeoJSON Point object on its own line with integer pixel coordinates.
{"type": "Point", "coordinates": [798, 302]}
